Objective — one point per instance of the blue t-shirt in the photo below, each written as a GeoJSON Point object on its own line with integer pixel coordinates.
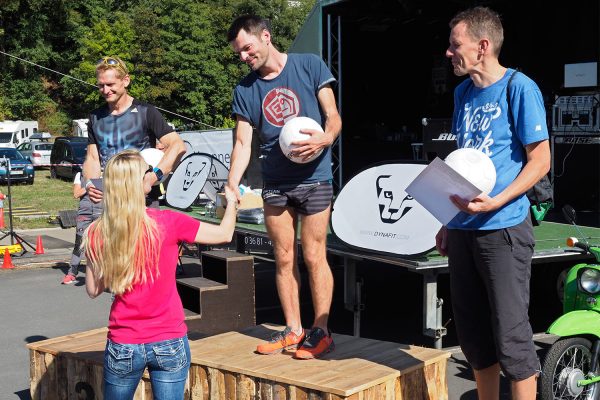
{"type": "Point", "coordinates": [268, 103]}
{"type": "Point", "coordinates": [481, 121]}
{"type": "Point", "coordinates": [138, 127]}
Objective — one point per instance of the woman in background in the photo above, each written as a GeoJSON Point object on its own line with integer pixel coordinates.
{"type": "Point", "coordinates": [132, 251]}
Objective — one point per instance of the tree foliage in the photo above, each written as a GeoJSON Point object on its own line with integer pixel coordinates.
{"type": "Point", "coordinates": [176, 51]}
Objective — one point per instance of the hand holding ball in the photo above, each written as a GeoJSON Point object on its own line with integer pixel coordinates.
{"type": "Point", "coordinates": [474, 166]}
{"type": "Point", "coordinates": [153, 156]}
{"type": "Point", "coordinates": [291, 133]}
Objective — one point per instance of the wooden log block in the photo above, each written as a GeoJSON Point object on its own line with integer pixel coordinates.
{"type": "Point", "coordinates": [292, 392]}
{"type": "Point", "coordinates": [390, 389]}
{"type": "Point", "coordinates": [49, 388]}
{"type": "Point", "coordinates": [246, 388]}
{"type": "Point", "coordinates": [265, 388]}
{"type": "Point", "coordinates": [436, 382]}
{"type": "Point", "coordinates": [315, 395]}
{"type": "Point", "coordinates": [301, 393]}
{"type": "Point", "coordinates": [196, 381]}
{"type": "Point", "coordinates": [397, 390]}
{"type": "Point", "coordinates": [37, 372]}
{"type": "Point", "coordinates": [411, 386]}
{"type": "Point", "coordinates": [216, 383]}
{"type": "Point", "coordinates": [230, 386]}
{"type": "Point", "coordinates": [280, 391]}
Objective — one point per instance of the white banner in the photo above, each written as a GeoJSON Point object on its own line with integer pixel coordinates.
{"type": "Point", "coordinates": [217, 143]}
{"type": "Point", "coordinates": [374, 212]}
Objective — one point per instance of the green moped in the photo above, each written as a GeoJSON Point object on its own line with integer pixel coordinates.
{"type": "Point", "coordinates": [571, 367]}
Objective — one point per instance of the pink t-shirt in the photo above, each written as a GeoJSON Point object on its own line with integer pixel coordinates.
{"type": "Point", "coordinates": [153, 312]}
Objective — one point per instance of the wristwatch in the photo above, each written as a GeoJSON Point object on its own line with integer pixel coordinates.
{"type": "Point", "coordinates": [158, 172]}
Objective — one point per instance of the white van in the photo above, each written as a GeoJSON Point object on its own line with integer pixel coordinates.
{"type": "Point", "coordinates": [13, 133]}
{"type": "Point", "coordinates": [80, 127]}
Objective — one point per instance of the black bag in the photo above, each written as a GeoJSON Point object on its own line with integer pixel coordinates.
{"type": "Point", "coordinates": [541, 194]}
{"type": "Point", "coordinates": [540, 197]}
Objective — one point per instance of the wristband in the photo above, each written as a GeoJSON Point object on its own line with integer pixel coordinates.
{"type": "Point", "coordinates": [158, 172]}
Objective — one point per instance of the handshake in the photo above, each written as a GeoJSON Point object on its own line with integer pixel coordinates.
{"type": "Point", "coordinates": [230, 197]}
{"type": "Point", "coordinates": [250, 199]}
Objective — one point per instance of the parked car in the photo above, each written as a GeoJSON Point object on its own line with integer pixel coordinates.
{"type": "Point", "coordinates": [21, 169]}
{"type": "Point", "coordinates": [67, 156]}
{"type": "Point", "coordinates": [36, 152]}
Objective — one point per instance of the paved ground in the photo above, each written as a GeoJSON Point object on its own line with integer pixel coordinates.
{"type": "Point", "coordinates": [34, 306]}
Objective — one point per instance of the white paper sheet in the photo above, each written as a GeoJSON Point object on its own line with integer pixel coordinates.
{"type": "Point", "coordinates": [433, 187]}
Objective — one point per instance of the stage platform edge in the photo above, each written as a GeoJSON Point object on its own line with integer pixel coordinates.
{"type": "Point", "coordinates": [225, 366]}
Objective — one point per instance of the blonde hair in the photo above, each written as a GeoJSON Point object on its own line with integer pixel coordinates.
{"type": "Point", "coordinates": [122, 246]}
{"type": "Point", "coordinates": [112, 62]}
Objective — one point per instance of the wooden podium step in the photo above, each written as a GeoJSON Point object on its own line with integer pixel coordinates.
{"type": "Point", "coordinates": [221, 298]}
{"type": "Point", "coordinates": [226, 367]}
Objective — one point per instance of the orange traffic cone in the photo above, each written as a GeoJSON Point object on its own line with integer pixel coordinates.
{"type": "Point", "coordinates": [7, 264]}
{"type": "Point", "coordinates": [2, 218]}
{"type": "Point", "coordinates": [39, 247]}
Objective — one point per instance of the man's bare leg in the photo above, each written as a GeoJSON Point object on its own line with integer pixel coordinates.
{"type": "Point", "coordinates": [525, 389]}
{"type": "Point", "coordinates": [488, 382]}
{"type": "Point", "coordinates": [314, 242]}
{"type": "Point", "coordinates": [281, 226]}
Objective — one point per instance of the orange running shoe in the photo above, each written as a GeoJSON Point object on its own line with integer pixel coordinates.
{"type": "Point", "coordinates": [284, 340]}
{"type": "Point", "coordinates": [316, 344]}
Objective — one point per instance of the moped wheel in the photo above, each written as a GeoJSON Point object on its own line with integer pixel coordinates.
{"type": "Point", "coordinates": [567, 361]}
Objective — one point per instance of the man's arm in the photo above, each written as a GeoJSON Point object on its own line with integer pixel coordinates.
{"type": "Point", "coordinates": [174, 149]}
{"type": "Point", "coordinates": [91, 170]}
{"type": "Point", "coordinates": [78, 191]}
{"type": "Point", "coordinates": [333, 121]}
{"type": "Point", "coordinates": [240, 156]}
{"type": "Point", "coordinates": [538, 165]}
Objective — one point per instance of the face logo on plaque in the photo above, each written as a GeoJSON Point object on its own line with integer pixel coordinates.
{"type": "Point", "coordinates": [191, 172]}
{"type": "Point", "coordinates": [393, 202]}
{"type": "Point", "coordinates": [390, 220]}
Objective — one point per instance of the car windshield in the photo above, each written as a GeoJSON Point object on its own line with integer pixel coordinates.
{"type": "Point", "coordinates": [12, 154]}
{"type": "Point", "coordinates": [79, 150]}
{"type": "Point", "coordinates": [5, 137]}
{"type": "Point", "coordinates": [43, 146]}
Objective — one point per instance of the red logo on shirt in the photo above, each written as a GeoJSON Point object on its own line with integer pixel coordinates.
{"type": "Point", "coordinates": [280, 105]}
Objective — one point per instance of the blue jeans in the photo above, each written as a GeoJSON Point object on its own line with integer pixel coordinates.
{"type": "Point", "coordinates": [168, 364]}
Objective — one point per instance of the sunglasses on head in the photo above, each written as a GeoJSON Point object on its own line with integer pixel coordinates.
{"type": "Point", "coordinates": [113, 62]}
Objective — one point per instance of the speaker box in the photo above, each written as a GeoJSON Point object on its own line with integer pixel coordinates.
{"type": "Point", "coordinates": [438, 140]}
{"type": "Point", "coordinates": [576, 172]}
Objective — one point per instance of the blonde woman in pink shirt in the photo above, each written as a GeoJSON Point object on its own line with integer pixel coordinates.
{"type": "Point", "coordinates": [132, 252]}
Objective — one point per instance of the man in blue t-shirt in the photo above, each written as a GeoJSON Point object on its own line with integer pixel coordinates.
{"type": "Point", "coordinates": [280, 87]}
{"type": "Point", "coordinates": [490, 243]}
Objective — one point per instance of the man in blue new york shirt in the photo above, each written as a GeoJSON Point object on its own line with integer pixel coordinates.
{"type": "Point", "coordinates": [490, 242]}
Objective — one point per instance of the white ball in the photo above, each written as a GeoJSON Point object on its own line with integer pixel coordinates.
{"type": "Point", "coordinates": [291, 133]}
{"type": "Point", "coordinates": [474, 166]}
{"type": "Point", "coordinates": [153, 156]}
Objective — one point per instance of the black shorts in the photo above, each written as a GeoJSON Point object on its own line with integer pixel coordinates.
{"type": "Point", "coordinates": [489, 282]}
{"type": "Point", "coordinates": [306, 199]}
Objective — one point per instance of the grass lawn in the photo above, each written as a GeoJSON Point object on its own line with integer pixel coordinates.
{"type": "Point", "coordinates": [47, 195]}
